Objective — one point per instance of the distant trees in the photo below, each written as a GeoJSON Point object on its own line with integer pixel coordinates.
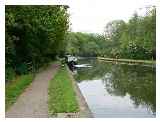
{"type": "Point", "coordinates": [135, 39]}
{"type": "Point", "coordinates": [84, 44]}
{"type": "Point", "coordinates": [34, 35]}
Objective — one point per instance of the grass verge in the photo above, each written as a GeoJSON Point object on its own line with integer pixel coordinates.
{"type": "Point", "coordinates": [15, 88]}
{"type": "Point", "coordinates": [62, 98]}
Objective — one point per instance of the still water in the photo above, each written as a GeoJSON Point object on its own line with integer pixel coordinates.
{"type": "Point", "coordinates": [118, 90]}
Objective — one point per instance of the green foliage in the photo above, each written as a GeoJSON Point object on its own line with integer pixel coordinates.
{"type": "Point", "coordinates": [34, 35]}
{"type": "Point", "coordinates": [135, 39]}
{"type": "Point", "coordinates": [15, 88]}
{"type": "Point", "coordinates": [138, 40]}
{"type": "Point", "coordinates": [62, 97]}
{"type": "Point", "coordinates": [84, 44]}
{"type": "Point", "coordinates": [10, 74]}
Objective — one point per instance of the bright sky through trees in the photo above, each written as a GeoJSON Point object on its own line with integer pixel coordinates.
{"type": "Point", "coordinates": [92, 15]}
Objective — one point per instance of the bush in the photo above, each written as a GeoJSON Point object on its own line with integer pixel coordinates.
{"type": "Point", "coordinates": [10, 74]}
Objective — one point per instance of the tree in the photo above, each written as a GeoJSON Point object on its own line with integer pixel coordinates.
{"type": "Point", "coordinates": [135, 39]}
{"type": "Point", "coordinates": [34, 35]}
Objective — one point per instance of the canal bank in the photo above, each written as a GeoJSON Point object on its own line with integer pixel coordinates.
{"type": "Point", "coordinates": [151, 62]}
{"type": "Point", "coordinates": [65, 98]}
{"type": "Point", "coordinates": [84, 111]}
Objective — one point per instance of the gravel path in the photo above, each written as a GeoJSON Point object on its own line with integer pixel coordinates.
{"type": "Point", "coordinates": [33, 101]}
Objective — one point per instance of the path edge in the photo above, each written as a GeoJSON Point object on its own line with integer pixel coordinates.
{"type": "Point", "coordinates": [84, 110]}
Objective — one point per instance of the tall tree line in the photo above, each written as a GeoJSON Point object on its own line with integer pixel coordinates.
{"type": "Point", "coordinates": [84, 44]}
{"type": "Point", "coordinates": [34, 36]}
{"type": "Point", "coordinates": [135, 39]}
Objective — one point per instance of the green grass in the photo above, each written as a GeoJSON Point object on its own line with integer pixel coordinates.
{"type": "Point", "coordinates": [62, 98]}
{"type": "Point", "coordinates": [15, 88]}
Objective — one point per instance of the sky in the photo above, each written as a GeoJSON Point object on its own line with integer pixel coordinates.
{"type": "Point", "coordinates": [91, 16]}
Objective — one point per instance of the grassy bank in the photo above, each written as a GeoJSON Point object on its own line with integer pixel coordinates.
{"type": "Point", "coordinates": [62, 98]}
{"type": "Point", "coordinates": [15, 88]}
{"type": "Point", "coordinates": [129, 60]}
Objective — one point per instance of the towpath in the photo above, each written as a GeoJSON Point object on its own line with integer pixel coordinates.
{"type": "Point", "coordinates": [33, 101]}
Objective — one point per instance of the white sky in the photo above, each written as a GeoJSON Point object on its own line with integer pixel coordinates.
{"type": "Point", "coordinates": [92, 15]}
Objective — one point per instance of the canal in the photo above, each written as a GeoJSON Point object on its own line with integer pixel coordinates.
{"type": "Point", "coordinates": [117, 90]}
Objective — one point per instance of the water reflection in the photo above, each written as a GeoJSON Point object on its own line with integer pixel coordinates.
{"type": "Point", "coordinates": [137, 81]}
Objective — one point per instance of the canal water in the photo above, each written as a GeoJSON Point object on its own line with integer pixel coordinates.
{"type": "Point", "coordinates": [118, 90]}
